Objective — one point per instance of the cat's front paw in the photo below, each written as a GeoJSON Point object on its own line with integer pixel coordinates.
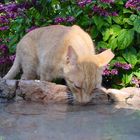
{"type": "Point", "coordinates": [118, 95]}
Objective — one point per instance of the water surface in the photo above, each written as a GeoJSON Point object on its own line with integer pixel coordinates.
{"type": "Point", "coordinates": [33, 121]}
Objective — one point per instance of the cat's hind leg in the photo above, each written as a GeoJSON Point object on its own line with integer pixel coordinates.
{"type": "Point", "coordinates": [29, 73]}
{"type": "Point", "coordinates": [29, 60]}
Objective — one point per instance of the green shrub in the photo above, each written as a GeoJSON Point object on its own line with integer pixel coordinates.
{"type": "Point", "coordinates": [112, 24]}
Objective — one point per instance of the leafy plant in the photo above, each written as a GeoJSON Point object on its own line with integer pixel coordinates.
{"type": "Point", "coordinates": [112, 24]}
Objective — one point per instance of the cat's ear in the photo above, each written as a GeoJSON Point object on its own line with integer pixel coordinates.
{"type": "Point", "coordinates": [105, 57]}
{"type": "Point", "coordinates": [71, 57]}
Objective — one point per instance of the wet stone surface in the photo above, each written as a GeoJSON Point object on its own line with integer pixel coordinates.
{"type": "Point", "coordinates": [33, 121]}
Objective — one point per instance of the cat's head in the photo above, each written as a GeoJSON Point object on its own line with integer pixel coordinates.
{"type": "Point", "coordinates": [84, 74]}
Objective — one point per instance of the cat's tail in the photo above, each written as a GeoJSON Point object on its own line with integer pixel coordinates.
{"type": "Point", "coordinates": [14, 70]}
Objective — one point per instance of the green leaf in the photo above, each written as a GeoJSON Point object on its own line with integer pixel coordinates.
{"type": "Point", "coordinates": [84, 21]}
{"type": "Point", "coordinates": [125, 11]}
{"type": "Point", "coordinates": [138, 57]}
{"type": "Point", "coordinates": [13, 40]}
{"type": "Point", "coordinates": [125, 37]}
{"type": "Point", "coordinates": [113, 43]}
{"type": "Point", "coordinates": [113, 31]}
{"type": "Point", "coordinates": [127, 78]}
{"type": "Point", "coordinates": [102, 44]}
{"type": "Point", "coordinates": [106, 34]}
{"type": "Point", "coordinates": [120, 2]}
{"type": "Point", "coordinates": [54, 2]}
{"type": "Point", "coordinates": [118, 19]}
{"type": "Point", "coordinates": [94, 32]}
{"type": "Point", "coordinates": [133, 17]}
{"type": "Point", "coordinates": [128, 21]}
{"type": "Point", "coordinates": [79, 13]}
{"type": "Point", "coordinates": [12, 49]}
{"type": "Point", "coordinates": [19, 20]}
{"type": "Point", "coordinates": [109, 19]}
{"type": "Point", "coordinates": [130, 55]}
{"type": "Point", "coordinates": [99, 21]}
{"type": "Point", "coordinates": [137, 25]}
{"type": "Point", "coordinates": [137, 72]}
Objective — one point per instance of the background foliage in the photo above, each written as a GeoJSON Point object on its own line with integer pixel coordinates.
{"type": "Point", "coordinates": [112, 24]}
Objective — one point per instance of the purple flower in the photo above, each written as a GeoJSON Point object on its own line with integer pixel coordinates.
{"type": "Point", "coordinates": [3, 48]}
{"type": "Point", "coordinates": [135, 81]}
{"type": "Point", "coordinates": [7, 59]}
{"type": "Point", "coordinates": [124, 66]}
{"type": "Point", "coordinates": [114, 72]}
{"type": "Point", "coordinates": [12, 58]}
{"type": "Point", "coordinates": [58, 20]}
{"type": "Point", "coordinates": [103, 12]}
{"type": "Point", "coordinates": [11, 7]}
{"type": "Point", "coordinates": [12, 10]}
{"type": "Point", "coordinates": [107, 1]}
{"type": "Point", "coordinates": [11, 15]}
{"type": "Point", "coordinates": [30, 29]}
{"type": "Point", "coordinates": [118, 64]}
{"type": "Point", "coordinates": [106, 72]}
{"type": "Point", "coordinates": [100, 11]}
{"type": "Point", "coordinates": [24, 5]}
{"type": "Point", "coordinates": [1, 8]}
{"type": "Point", "coordinates": [83, 3]}
{"type": "Point", "coordinates": [114, 14]}
{"type": "Point", "coordinates": [2, 60]}
{"type": "Point", "coordinates": [134, 4]}
{"type": "Point", "coordinates": [4, 28]}
{"type": "Point", "coordinates": [3, 20]}
{"type": "Point", "coordinates": [70, 19]}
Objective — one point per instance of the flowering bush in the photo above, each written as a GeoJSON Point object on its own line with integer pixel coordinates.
{"type": "Point", "coordinates": [112, 24]}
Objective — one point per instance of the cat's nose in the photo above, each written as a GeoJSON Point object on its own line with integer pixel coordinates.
{"type": "Point", "coordinates": [85, 99]}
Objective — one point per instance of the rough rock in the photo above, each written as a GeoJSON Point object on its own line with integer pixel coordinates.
{"type": "Point", "coordinates": [42, 91]}
{"type": "Point", "coordinates": [129, 94]}
{"type": "Point", "coordinates": [47, 92]}
{"type": "Point", "coordinates": [7, 88]}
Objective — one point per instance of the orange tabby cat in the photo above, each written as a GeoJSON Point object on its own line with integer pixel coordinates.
{"type": "Point", "coordinates": [60, 51]}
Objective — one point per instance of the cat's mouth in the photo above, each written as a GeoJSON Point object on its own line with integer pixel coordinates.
{"type": "Point", "coordinates": [82, 99]}
{"type": "Point", "coordinates": [73, 99]}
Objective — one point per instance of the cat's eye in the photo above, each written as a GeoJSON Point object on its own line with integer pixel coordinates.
{"type": "Point", "coordinates": [74, 85]}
